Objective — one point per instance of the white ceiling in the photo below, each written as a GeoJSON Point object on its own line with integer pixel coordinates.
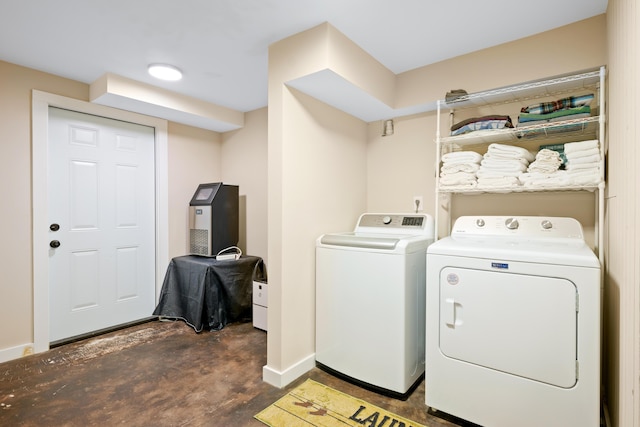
{"type": "Point", "coordinates": [222, 45]}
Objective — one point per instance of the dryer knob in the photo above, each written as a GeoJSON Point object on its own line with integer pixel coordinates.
{"type": "Point", "coordinates": [546, 224]}
{"type": "Point", "coordinates": [511, 223]}
{"type": "Point", "coordinates": [480, 222]}
{"type": "Point", "coordinates": [386, 220]}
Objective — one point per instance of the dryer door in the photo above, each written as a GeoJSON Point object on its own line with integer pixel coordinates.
{"type": "Point", "coordinates": [519, 324]}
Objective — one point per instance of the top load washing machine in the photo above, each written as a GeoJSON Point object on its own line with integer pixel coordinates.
{"type": "Point", "coordinates": [370, 290]}
{"type": "Point", "coordinates": [513, 323]}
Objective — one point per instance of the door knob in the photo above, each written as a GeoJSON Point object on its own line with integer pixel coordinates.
{"type": "Point", "coordinates": [54, 227]}
{"type": "Point", "coordinates": [54, 243]}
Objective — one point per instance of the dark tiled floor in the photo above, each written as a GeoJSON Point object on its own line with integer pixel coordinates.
{"type": "Point", "coordinates": [161, 374]}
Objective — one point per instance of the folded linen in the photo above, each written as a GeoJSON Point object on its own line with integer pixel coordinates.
{"type": "Point", "coordinates": [464, 186]}
{"type": "Point", "coordinates": [460, 178]}
{"type": "Point", "coordinates": [583, 153]}
{"type": "Point", "coordinates": [498, 182]}
{"type": "Point", "coordinates": [462, 157]}
{"type": "Point", "coordinates": [579, 166]}
{"type": "Point", "coordinates": [502, 165]}
{"type": "Point", "coordinates": [565, 114]}
{"type": "Point", "coordinates": [582, 145]}
{"type": "Point", "coordinates": [584, 178]}
{"type": "Point", "coordinates": [490, 118]}
{"type": "Point", "coordinates": [491, 156]}
{"type": "Point", "coordinates": [544, 167]}
{"type": "Point", "coordinates": [489, 173]}
{"type": "Point", "coordinates": [510, 150]}
{"type": "Point", "coordinates": [491, 125]}
{"type": "Point", "coordinates": [543, 180]}
{"type": "Point", "coordinates": [547, 154]}
{"type": "Point", "coordinates": [568, 102]}
{"type": "Point", "coordinates": [585, 172]}
{"type": "Point", "coordinates": [449, 168]}
{"type": "Point", "coordinates": [580, 160]}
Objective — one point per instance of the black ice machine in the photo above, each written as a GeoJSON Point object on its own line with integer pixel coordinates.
{"type": "Point", "coordinates": [213, 218]}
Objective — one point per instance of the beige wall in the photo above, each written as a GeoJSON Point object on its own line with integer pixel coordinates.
{"type": "Point", "coordinates": [566, 49]}
{"type": "Point", "coordinates": [245, 164]}
{"type": "Point", "coordinates": [402, 165]}
{"type": "Point", "coordinates": [195, 157]}
{"type": "Point", "coordinates": [16, 287]}
{"type": "Point", "coordinates": [622, 281]}
{"type": "Point", "coordinates": [317, 184]}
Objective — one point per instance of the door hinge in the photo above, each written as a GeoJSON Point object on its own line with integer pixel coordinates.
{"type": "Point", "coordinates": [577, 370]}
{"type": "Point", "coordinates": [577, 302]}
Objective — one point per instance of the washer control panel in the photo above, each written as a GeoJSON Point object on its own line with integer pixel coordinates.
{"type": "Point", "coordinates": [395, 223]}
{"type": "Point", "coordinates": [524, 226]}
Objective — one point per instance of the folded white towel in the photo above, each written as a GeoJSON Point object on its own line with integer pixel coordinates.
{"type": "Point", "coordinates": [498, 182]}
{"type": "Point", "coordinates": [582, 145]}
{"type": "Point", "coordinates": [464, 176]}
{"type": "Point", "coordinates": [448, 168]}
{"type": "Point", "coordinates": [464, 186]}
{"type": "Point", "coordinates": [462, 157]}
{"type": "Point", "coordinates": [546, 154]}
{"type": "Point", "coordinates": [583, 171]}
{"type": "Point", "coordinates": [543, 180]}
{"type": "Point", "coordinates": [582, 166]}
{"type": "Point", "coordinates": [544, 167]}
{"type": "Point", "coordinates": [582, 153]}
{"type": "Point", "coordinates": [511, 150]}
{"type": "Point", "coordinates": [584, 178]}
{"type": "Point", "coordinates": [587, 159]}
{"type": "Point", "coordinates": [533, 176]}
{"type": "Point", "coordinates": [503, 157]}
{"type": "Point", "coordinates": [502, 165]}
{"type": "Point", "coordinates": [460, 178]}
{"type": "Point", "coordinates": [488, 173]}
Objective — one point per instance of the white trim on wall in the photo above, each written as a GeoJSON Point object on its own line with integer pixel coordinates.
{"type": "Point", "coordinates": [41, 101]}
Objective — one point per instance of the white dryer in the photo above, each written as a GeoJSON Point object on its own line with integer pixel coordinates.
{"type": "Point", "coordinates": [370, 290]}
{"type": "Point", "coordinates": [513, 323]}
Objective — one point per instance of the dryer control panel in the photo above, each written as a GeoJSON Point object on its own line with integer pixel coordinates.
{"type": "Point", "coordinates": [522, 226]}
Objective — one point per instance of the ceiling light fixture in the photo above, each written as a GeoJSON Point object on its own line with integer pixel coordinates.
{"type": "Point", "coordinates": [165, 72]}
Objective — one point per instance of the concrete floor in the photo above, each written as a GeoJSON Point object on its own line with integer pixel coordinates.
{"type": "Point", "coordinates": [161, 374]}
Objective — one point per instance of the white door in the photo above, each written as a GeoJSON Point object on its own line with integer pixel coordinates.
{"type": "Point", "coordinates": [102, 212]}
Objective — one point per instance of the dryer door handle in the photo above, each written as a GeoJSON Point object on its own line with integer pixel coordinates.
{"type": "Point", "coordinates": [451, 313]}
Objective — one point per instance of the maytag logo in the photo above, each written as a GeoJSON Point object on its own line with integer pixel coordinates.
{"type": "Point", "coordinates": [500, 265]}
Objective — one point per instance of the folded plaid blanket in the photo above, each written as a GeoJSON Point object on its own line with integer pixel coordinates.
{"type": "Point", "coordinates": [549, 107]}
{"type": "Point", "coordinates": [565, 112]}
{"type": "Point", "coordinates": [491, 118]}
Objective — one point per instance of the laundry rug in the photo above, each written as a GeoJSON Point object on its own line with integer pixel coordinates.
{"type": "Point", "coordinates": [315, 404]}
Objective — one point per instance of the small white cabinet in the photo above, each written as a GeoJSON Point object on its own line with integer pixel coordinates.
{"type": "Point", "coordinates": [260, 305]}
{"type": "Point", "coordinates": [509, 101]}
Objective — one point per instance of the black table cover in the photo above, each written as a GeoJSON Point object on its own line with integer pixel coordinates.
{"type": "Point", "coordinates": [207, 293]}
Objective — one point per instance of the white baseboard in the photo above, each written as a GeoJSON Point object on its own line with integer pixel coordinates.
{"type": "Point", "coordinates": [16, 352]}
{"type": "Point", "coordinates": [292, 373]}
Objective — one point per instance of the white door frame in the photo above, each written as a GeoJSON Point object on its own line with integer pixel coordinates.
{"type": "Point", "coordinates": [41, 101]}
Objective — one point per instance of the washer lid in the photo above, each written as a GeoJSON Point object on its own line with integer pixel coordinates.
{"type": "Point", "coordinates": [361, 240]}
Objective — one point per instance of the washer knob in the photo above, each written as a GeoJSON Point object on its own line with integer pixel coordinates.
{"type": "Point", "coordinates": [546, 224]}
{"type": "Point", "coordinates": [386, 220]}
{"type": "Point", "coordinates": [480, 222]}
{"type": "Point", "coordinates": [511, 223]}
